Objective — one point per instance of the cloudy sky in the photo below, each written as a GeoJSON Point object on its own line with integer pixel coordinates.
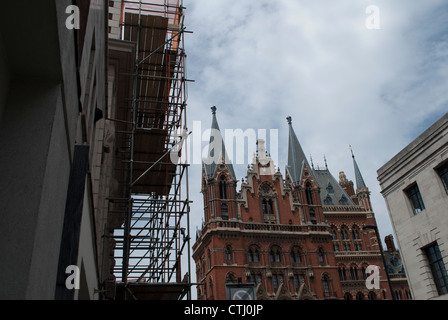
{"type": "Point", "coordinates": [316, 61]}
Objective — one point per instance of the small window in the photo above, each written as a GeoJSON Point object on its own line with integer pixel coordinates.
{"type": "Point", "coordinates": [328, 201]}
{"type": "Point", "coordinates": [321, 256]}
{"type": "Point", "coordinates": [443, 173]}
{"type": "Point", "coordinates": [228, 255]}
{"type": "Point", "coordinates": [224, 212]}
{"type": "Point", "coordinates": [415, 197]}
{"type": "Point", "coordinates": [222, 188]}
{"type": "Point", "coordinates": [438, 269]}
{"type": "Point", "coordinates": [312, 216]}
{"type": "Point", "coordinates": [309, 196]}
{"type": "Point", "coordinates": [343, 201]}
{"type": "Point", "coordinates": [267, 206]}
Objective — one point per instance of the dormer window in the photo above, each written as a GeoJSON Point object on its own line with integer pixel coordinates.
{"type": "Point", "coordinates": [330, 188]}
{"type": "Point", "coordinates": [343, 200]}
{"type": "Point", "coordinates": [328, 201]}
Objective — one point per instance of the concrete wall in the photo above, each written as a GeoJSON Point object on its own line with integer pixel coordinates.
{"type": "Point", "coordinates": [415, 164]}
{"type": "Point", "coordinates": [40, 123]}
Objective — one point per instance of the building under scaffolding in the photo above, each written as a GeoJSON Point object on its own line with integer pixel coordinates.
{"type": "Point", "coordinates": [150, 203]}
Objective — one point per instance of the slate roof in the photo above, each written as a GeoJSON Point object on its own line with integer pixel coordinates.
{"type": "Point", "coordinates": [331, 191]}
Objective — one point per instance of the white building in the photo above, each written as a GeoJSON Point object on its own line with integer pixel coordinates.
{"type": "Point", "coordinates": [414, 184]}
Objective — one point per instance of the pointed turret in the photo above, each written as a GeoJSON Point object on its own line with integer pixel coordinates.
{"type": "Point", "coordinates": [216, 150]}
{"type": "Point", "coordinates": [362, 192]}
{"type": "Point", "coordinates": [360, 184]}
{"type": "Point", "coordinates": [296, 157]}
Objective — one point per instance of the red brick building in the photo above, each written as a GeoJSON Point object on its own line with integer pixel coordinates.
{"type": "Point", "coordinates": [295, 237]}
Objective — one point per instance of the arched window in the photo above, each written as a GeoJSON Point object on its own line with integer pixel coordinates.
{"type": "Point", "coordinates": [224, 212]}
{"type": "Point", "coordinates": [344, 234]}
{"type": "Point", "coordinates": [321, 256]}
{"type": "Point", "coordinates": [348, 296]}
{"type": "Point", "coordinates": [228, 254]}
{"type": "Point", "coordinates": [371, 295]}
{"type": "Point", "coordinates": [230, 278]}
{"type": "Point", "coordinates": [253, 255]}
{"type": "Point", "coordinates": [222, 188]}
{"type": "Point", "coordinates": [309, 196]}
{"type": "Point", "coordinates": [326, 283]}
{"type": "Point", "coordinates": [359, 296]}
{"type": "Point", "coordinates": [295, 256]}
{"type": "Point", "coordinates": [355, 233]}
{"type": "Point", "coordinates": [334, 233]}
{"type": "Point", "coordinates": [342, 274]}
{"type": "Point", "coordinates": [274, 255]}
{"type": "Point", "coordinates": [354, 273]}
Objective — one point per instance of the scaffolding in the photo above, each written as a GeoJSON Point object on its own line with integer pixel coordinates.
{"type": "Point", "coordinates": [154, 203]}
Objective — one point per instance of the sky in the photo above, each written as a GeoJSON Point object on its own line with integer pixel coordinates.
{"type": "Point", "coordinates": [343, 82]}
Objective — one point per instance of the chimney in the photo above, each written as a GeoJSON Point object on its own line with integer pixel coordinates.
{"type": "Point", "coordinates": [389, 240]}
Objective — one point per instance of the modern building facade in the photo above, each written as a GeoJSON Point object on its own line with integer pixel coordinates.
{"type": "Point", "coordinates": [53, 94]}
{"type": "Point", "coordinates": [414, 184]}
{"type": "Point", "coordinates": [298, 236]}
{"type": "Point", "coordinates": [68, 116]}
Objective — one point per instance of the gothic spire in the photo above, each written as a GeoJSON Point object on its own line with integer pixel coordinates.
{"type": "Point", "coordinates": [216, 150]}
{"type": "Point", "coordinates": [296, 156]}
{"type": "Point", "coordinates": [359, 180]}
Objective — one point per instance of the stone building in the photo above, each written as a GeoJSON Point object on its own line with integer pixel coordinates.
{"type": "Point", "coordinates": [414, 184]}
{"type": "Point", "coordinates": [298, 236]}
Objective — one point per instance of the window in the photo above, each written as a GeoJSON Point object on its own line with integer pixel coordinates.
{"type": "Point", "coordinates": [343, 201]}
{"type": "Point", "coordinates": [437, 268]}
{"type": "Point", "coordinates": [228, 255]}
{"type": "Point", "coordinates": [277, 280]}
{"type": "Point", "coordinates": [309, 196]}
{"type": "Point", "coordinates": [443, 173]}
{"type": "Point", "coordinates": [253, 255]}
{"type": "Point", "coordinates": [355, 233]}
{"type": "Point", "coordinates": [334, 233]}
{"type": "Point", "coordinates": [321, 256]}
{"type": "Point", "coordinates": [312, 216]}
{"type": "Point", "coordinates": [328, 201]}
{"type": "Point", "coordinates": [330, 188]}
{"type": "Point", "coordinates": [344, 234]}
{"type": "Point", "coordinates": [371, 295]}
{"type": "Point", "coordinates": [354, 273]}
{"type": "Point", "coordinates": [415, 197]}
{"type": "Point", "coordinates": [267, 206]}
{"type": "Point", "coordinates": [222, 188]}
{"type": "Point", "coordinates": [295, 255]}
{"type": "Point", "coordinates": [224, 212]}
{"type": "Point", "coordinates": [359, 296]}
{"type": "Point", "coordinates": [348, 296]}
{"type": "Point", "coordinates": [326, 285]}
{"type": "Point", "coordinates": [342, 275]}
{"type": "Point", "coordinates": [274, 255]}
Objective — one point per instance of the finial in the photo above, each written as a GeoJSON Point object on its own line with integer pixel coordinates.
{"type": "Point", "coordinates": [325, 160]}
{"type": "Point", "coordinates": [289, 119]}
{"type": "Point", "coordinates": [351, 150]}
{"type": "Point", "coordinates": [213, 110]}
{"type": "Point", "coordinates": [312, 164]}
